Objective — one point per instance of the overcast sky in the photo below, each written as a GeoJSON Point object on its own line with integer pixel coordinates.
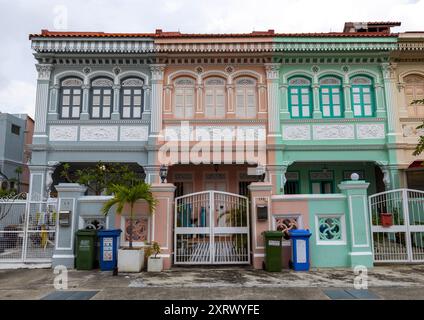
{"type": "Point", "coordinates": [18, 18]}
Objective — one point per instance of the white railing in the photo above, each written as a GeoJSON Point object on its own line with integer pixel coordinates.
{"type": "Point", "coordinates": [212, 227]}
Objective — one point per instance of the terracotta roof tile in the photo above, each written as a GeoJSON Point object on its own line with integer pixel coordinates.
{"type": "Point", "coordinates": [160, 34]}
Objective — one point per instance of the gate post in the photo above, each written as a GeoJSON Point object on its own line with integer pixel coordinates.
{"type": "Point", "coordinates": [358, 223]}
{"type": "Point", "coordinates": [260, 193]}
{"type": "Point", "coordinates": [68, 194]}
{"type": "Point", "coordinates": [163, 220]}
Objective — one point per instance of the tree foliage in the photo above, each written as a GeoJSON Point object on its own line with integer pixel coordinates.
{"type": "Point", "coordinates": [123, 195]}
{"type": "Point", "coordinates": [420, 146]}
{"type": "Point", "coordinates": [101, 177]}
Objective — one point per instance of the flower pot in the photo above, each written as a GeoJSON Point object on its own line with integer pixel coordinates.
{"type": "Point", "coordinates": [386, 219]}
{"type": "Point", "coordinates": [130, 260]}
{"type": "Point", "coordinates": [155, 264]}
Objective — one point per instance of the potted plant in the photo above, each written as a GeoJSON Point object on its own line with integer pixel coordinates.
{"type": "Point", "coordinates": [130, 259]}
{"type": "Point", "coordinates": [154, 263]}
{"type": "Point", "coordinates": [386, 219]}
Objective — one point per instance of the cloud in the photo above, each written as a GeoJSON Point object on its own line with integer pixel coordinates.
{"type": "Point", "coordinates": [18, 97]}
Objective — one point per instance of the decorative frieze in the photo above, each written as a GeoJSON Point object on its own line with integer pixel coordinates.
{"type": "Point", "coordinates": [370, 131]}
{"type": "Point", "coordinates": [333, 131]}
{"type": "Point", "coordinates": [297, 132]}
{"type": "Point", "coordinates": [97, 133]}
{"type": "Point", "coordinates": [44, 71]}
{"type": "Point", "coordinates": [410, 130]}
{"type": "Point", "coordinates": [63, 133]}
{"type": "Point", "coordinates": [215, 133]}
{"type": "Point", "coordinates": [139, 133]}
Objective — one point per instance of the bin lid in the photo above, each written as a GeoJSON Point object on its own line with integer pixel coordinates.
{"type": "Point", "coordinates": [86, 232]}
{"type": "Point", "coordinates": [300, 233]}
{"type": "Point", "coordinates": [109, 233]}
{"type": "Point", "coordinates": [273, 234]}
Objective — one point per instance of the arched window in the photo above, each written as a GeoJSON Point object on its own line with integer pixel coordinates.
{"type": "Point", "coordinates": [414, 90]}
{"type": "Point", "coordinates": [184, 98]}
{"type": "Point", "coordinates": [215, 98]}
{"type": "Point", "coordinates": [132, 95]}
{"type": "Point", "coordinates": [362, 97]}
{"type": "Point", "coordinates": [246, 98]}
{"type": "Point", "coordinates": [101, 98]}
{"type": "Point", "coordinates": [331, 97]}
{"type": "Point", "coordinates": [300, 97]}
{"type": "Point", "coordinates": [71, 98]}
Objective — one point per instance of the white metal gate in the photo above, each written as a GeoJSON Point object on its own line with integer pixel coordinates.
{"type": "Point", "coordinates": [399, 236]}
{"type": "Point", "coordinates": [27, 230]}
{"type": "Point", "coordinates": [211, 227]}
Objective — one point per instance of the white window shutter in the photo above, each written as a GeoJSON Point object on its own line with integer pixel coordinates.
{"type": "Point", "coordinates": [240, 109]}
{"type": "Point", "coordinates": [179, 103]}
{"type": "Point", "coordinates": [189, 98]}
{"type": "Point", "coordinates": [220, 103]}
{"type": "Point", "coordinates": [209, 103]}
{"type": "Point", "coordinates": [251, 103]}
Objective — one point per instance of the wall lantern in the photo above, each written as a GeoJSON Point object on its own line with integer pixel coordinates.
{"type": "Point", "coordinates": [163, 173]}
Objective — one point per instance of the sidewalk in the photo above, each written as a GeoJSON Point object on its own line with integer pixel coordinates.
{"type": "Point", "coordinates": [389, 282]}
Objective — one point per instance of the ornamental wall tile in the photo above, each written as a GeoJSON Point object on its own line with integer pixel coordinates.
{"type": "Point", "coordinates": [370, 131]}
{"type": "Point", "coordinates": [130, 133]}
{"type": "Point", "coordinates": [63, 133]}
{"type": "Point", "coordinates": [410, 130]}
{"type": "Point", "coordinates": [96, 133]}
{"type": "Point", "coordinates": [299, 132]}
{"type": "Point", "coordinates": [334, 131]}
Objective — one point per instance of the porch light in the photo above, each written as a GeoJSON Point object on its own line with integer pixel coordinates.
{"type": "Point", "coordinates": [163, 172]}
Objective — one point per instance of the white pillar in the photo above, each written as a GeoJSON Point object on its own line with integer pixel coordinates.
{"type": "Point", "coordinates": [116, 101]}
{"type": "Point", "coordinates": [42, 102]}
{"type": "Point", "coordinates": [388, 70]}
{"type": "Point", "coordinates": [315, 94]}
{"type": "Point", "coordinates": [85, 102]}
{"type": "Point", "coordinates": [157, 94]}
{"type": "Point", "coordinates": [147, 101]}
{"type": "Point", "coordinates": [348, 113]}
{"type": "Point", "coordinates": [272, 77]}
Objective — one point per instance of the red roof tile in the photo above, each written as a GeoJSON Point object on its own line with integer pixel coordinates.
{"type": "Point", "coordinates": [161, 34]}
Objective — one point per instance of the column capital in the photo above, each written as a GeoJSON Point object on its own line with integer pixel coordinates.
{"type": "Point", "coordinates": [272, 71]}
{"type": "Point", "coordinates": [157, 71]}
{"type": "Point", "coordinates": [44, 71]}
{"type": "Point", "coordinates": [388, 69]}
{"type": "Point", "coordinates": [116, 87]}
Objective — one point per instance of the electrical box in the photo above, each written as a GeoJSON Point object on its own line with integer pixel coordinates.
{"type": "Point", "coordinates": [65, 218]}
{"type": "Point", "coordinates": [262, 212]}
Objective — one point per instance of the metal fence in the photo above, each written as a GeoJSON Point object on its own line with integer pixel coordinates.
{"type": "Point", "coordinates": [212, 227]}
{"type": "Point", "coordinates": [397, 220]}
{"type": "Point", "coordinates": [27, 229]}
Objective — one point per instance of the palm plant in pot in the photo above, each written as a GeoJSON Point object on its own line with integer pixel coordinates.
{"type": "Point", "coordinates": [154, 263]}
{"type": "Point", "coordinates": [130, 259]}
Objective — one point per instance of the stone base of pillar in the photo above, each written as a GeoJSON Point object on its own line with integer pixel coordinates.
{"type": "Point", "coordinates": [115, 116]}
{"type": "Point", "coordinates": [258, 262]}
{"type": "Point", "coordinates": [84, 116]}
{"type": "Point", "coordinates": [285, 115]}
{"type": "Point", "coordinates": [64, 260]}
{"type": "Point", "coordinates": [317, 114]}
{"type": "Point", "coordinates": [361, 259]}
{"type": "Point", "coordinates": [348, 114]}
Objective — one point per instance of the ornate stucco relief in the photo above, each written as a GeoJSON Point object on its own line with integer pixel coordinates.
{"type": "Point", "coordinates": [302, 132]}
{"type": "Point", "coordinates": [139, 133]}
{"type": "Point", "coordinates": [63, 133]}
{"type": "Point", "coordinates": [370, 131]}
{"type": "Point", "coordinates": [95, 133]}
{"type": "Point", "coordinates": [410, 130]}
{"type": "Point", "coordinates": [333, 131]}
{"type": "Point", "coordinates": [210, 133]}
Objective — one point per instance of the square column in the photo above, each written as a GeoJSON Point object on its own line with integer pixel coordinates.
{"type": "Point", "coordinates": [163, 220]}
{"type": "Point", "coordinates": [64, 252]}
{"type": "Point", "coordinates": [260, 195]}
{"type": "Point", "coordinates": [358, 222]}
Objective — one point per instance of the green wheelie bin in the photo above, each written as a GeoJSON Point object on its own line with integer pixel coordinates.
{"type": "Point", "coordinates": [86, 249]}
{"type": "Point", "coordinates": [273, 252]}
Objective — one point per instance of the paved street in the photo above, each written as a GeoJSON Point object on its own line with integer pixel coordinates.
{"type": "Point", "coordinates": [389, 282]}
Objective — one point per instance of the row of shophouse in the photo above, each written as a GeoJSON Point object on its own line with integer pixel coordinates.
{"type": "Point", "coordinates": [312, 109]}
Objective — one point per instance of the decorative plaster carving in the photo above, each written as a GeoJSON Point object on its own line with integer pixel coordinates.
{"type": "Point", "coordinates": [98, 133]}
{"type": "Point", "coordinates": [272, 71]}
{"type": "Point", "coordinates": [116, 70]}
{"type": "Point", "coordinates": [410, 130]}
{"type": "Point", "coordinates": [139, 133]}
{"type": "Point", "coordinates": [370, 131]}
{"type": "Point", "coordinates": [86, 70]}
{"type": "Point", "coordinates": [297, 132]}
{"type": "Point", "coordinates": [388, 70]}
{"type": "Point", "coordinates": [333, 131]}
{"type": "Point", "coordinates": [63, 133]}
{"type": "Point", "coordinates": [44, 71]}
{"type": "Point", "coordinates": [157, 71]}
